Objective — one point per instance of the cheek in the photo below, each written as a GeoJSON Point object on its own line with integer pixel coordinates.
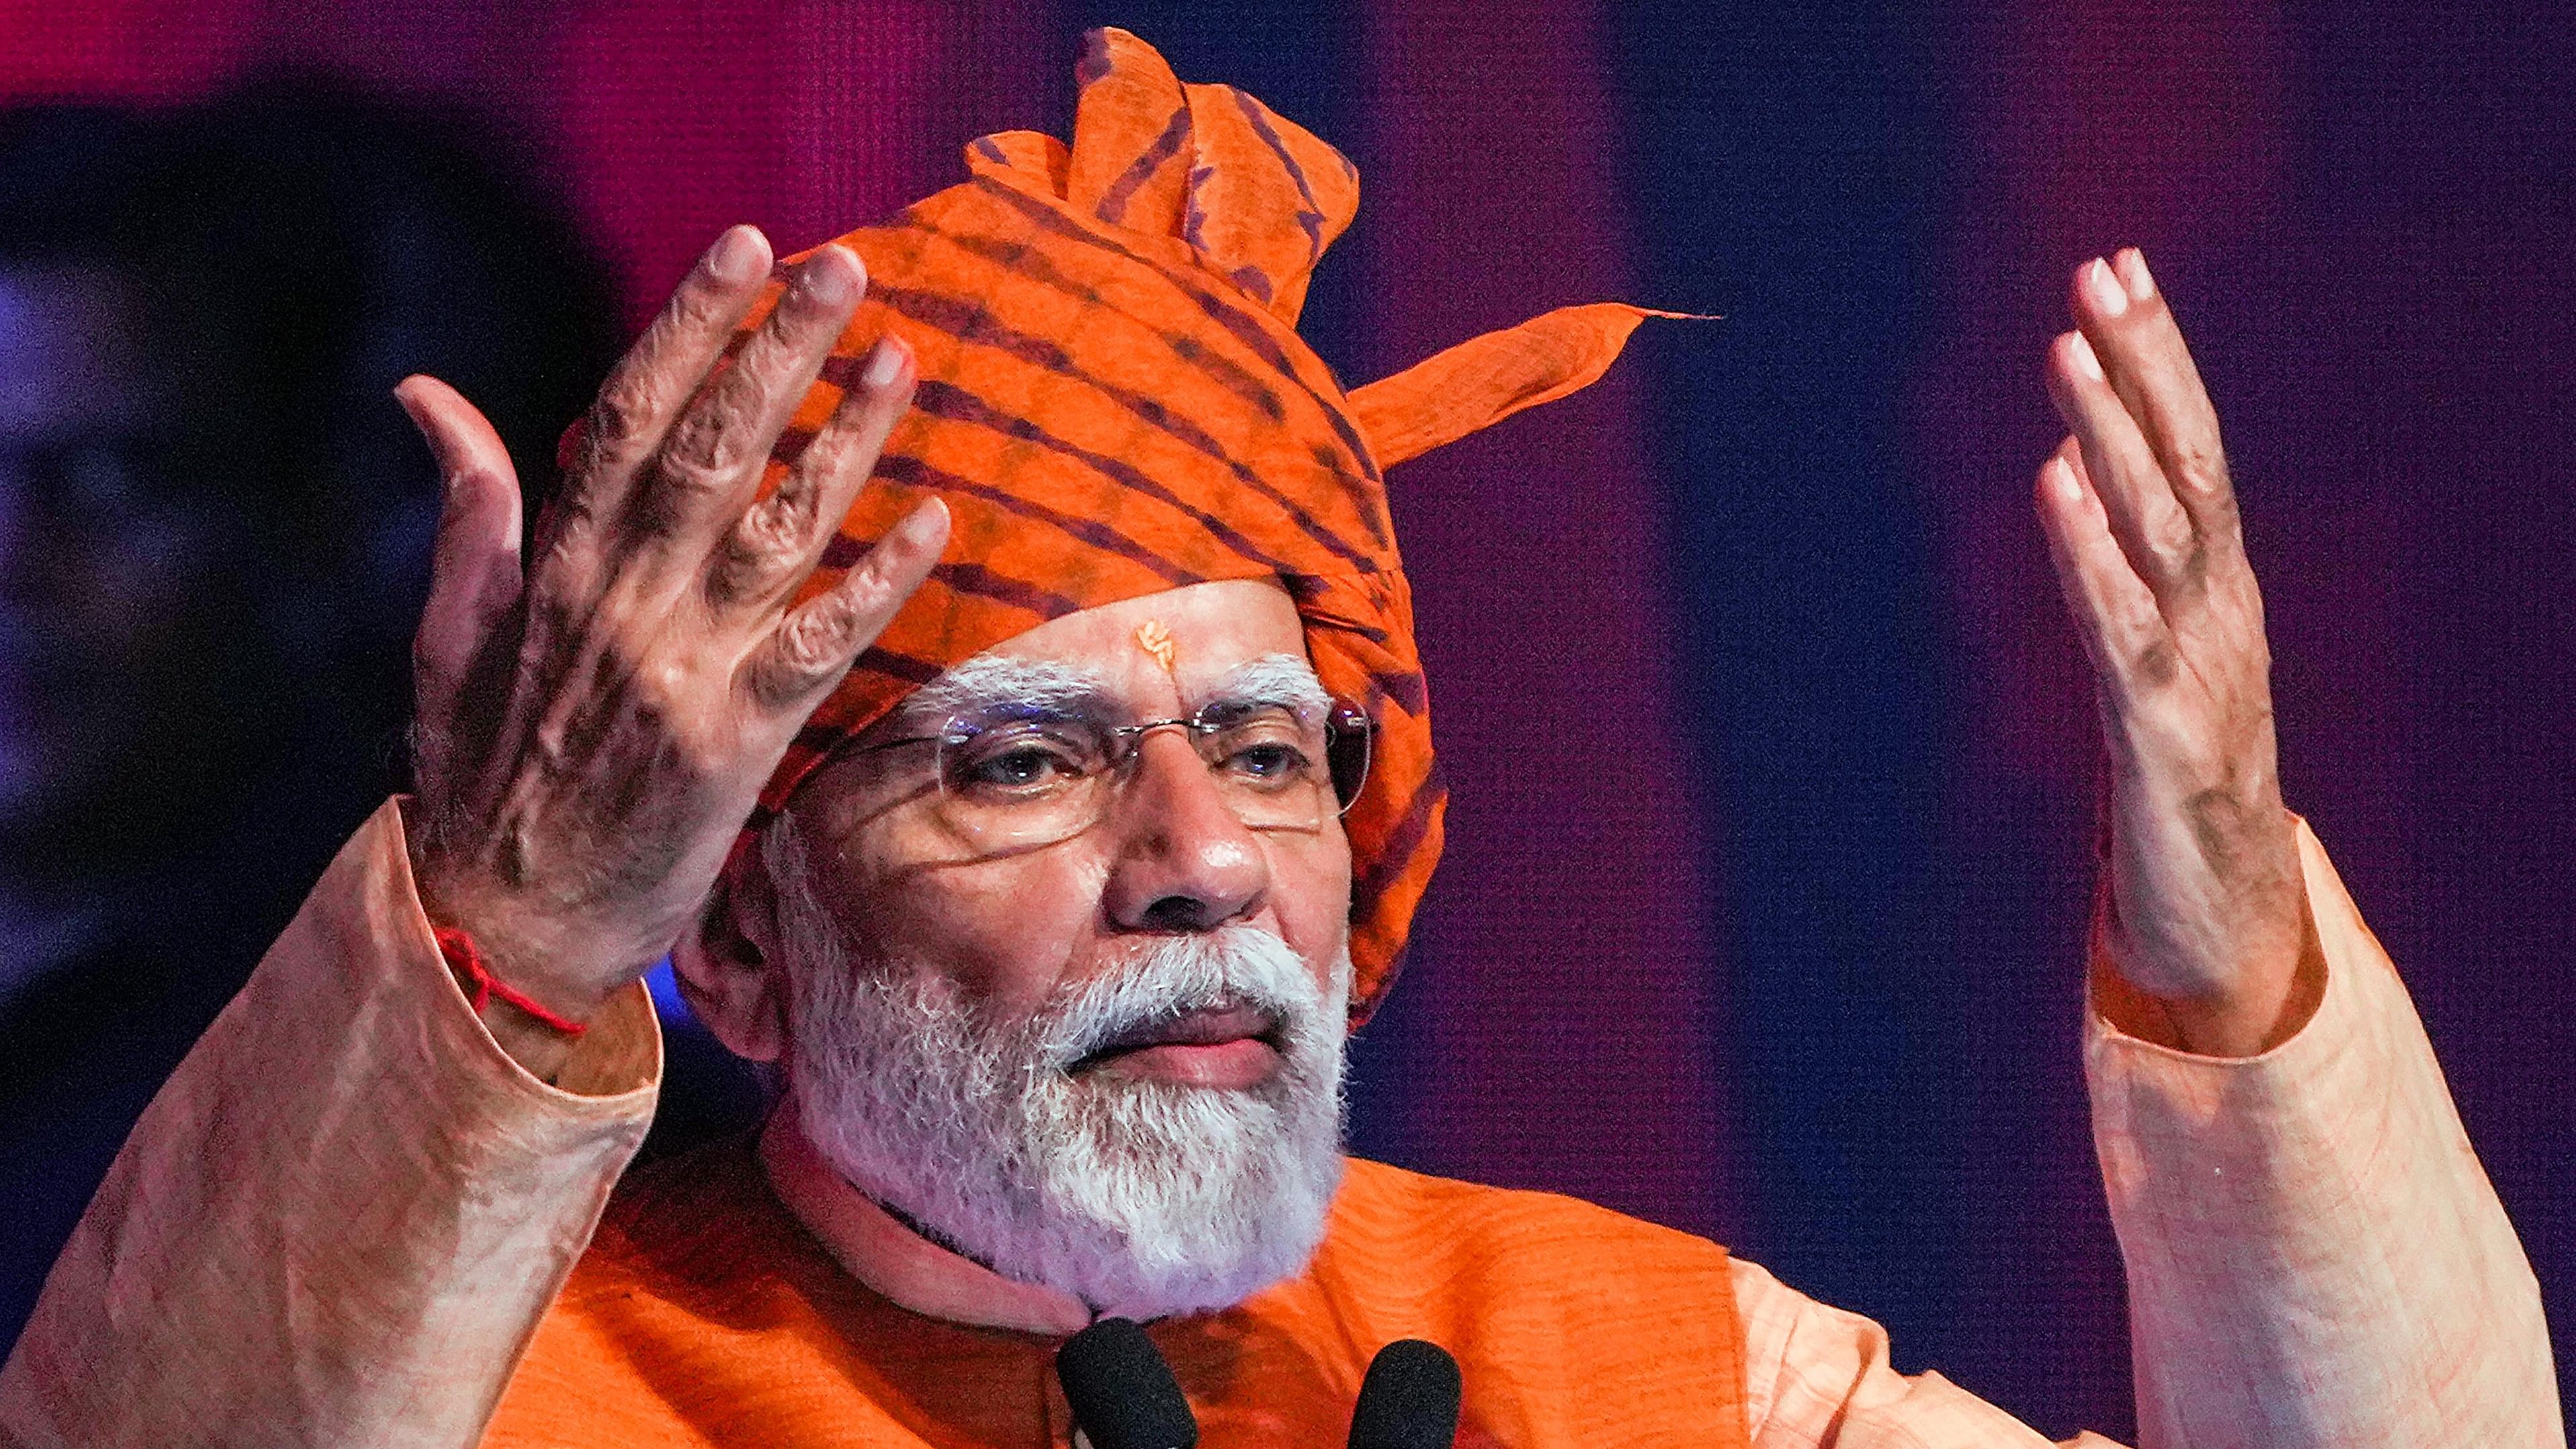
{"type": "Point", "coordinates": [1310, 892]}
{"type": "Point", "coordinates": [1005, 930]}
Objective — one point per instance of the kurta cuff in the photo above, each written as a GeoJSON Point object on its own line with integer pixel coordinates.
{"type": "Point", "coordinates": [439, 1197]}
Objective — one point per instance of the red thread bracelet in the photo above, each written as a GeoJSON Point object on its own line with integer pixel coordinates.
{"type": "Point", "coordinates": [466, 960]}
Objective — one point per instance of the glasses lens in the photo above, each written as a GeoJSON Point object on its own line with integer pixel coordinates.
{"type": "Point", "coordinates": [1271, 761]}
{"type": "Point", "coordinates": [1347, 748]}
{"type": "Point", "coordinates": [1021, 775]}
{"type": "Point", "coordinates": [1025, 775]}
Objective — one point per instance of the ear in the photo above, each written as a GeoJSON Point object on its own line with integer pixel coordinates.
{"type": "Point", "coordinates": [727, 968]}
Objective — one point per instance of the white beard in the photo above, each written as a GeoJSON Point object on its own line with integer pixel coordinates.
{"type": "Point", "coordinates": [1143, 1199]}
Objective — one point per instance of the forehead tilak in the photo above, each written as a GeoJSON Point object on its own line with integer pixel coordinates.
{"type": "Point", "coordinates": [1155, 638]}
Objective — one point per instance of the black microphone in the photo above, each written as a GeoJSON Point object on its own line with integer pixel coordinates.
{"type": "Point", "coordinates": [1409, 1399]}
{"type": "Point", "coordinates": [1123, 1394]}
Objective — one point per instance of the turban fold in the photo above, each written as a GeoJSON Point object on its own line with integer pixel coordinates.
{"type": "Point", "coordinates": [1114, 402]}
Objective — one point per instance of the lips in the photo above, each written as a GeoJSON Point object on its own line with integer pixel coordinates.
{"type": "Point", "coordinates": [1228, 1044]}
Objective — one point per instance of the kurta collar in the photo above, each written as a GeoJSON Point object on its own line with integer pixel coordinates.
{"type": "Point", "coordinates": [893, 1260]}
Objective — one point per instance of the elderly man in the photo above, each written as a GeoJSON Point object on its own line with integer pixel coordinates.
{"type": "Point", "coordinates": [1087, 774]}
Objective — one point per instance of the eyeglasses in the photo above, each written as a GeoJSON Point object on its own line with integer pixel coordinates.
{"type": "Point", "coordinates": [1024, 774]}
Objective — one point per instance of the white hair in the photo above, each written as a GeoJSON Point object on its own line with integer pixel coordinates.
{"type": "Point", "coordinates": [1139, 1198]}
{"type": "Point", "coordinates": [989, 679]}
{"type": "Point", "coordinates": [998, 678]}
{"type": "Point", "coordinates": [1276, 679]}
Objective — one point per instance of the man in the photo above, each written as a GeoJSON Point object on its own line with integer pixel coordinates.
{"type": "Point", "coordinates": [1053, 906]}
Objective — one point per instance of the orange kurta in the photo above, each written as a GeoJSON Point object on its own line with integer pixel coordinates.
{"type": "Point", "coordinates": [703, 1314]}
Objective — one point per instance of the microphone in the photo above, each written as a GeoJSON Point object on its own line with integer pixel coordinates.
{"type": "Point", "coordinates": [1122, 1392]}
{"type": "Point", "coordinates": [1409, 1399]}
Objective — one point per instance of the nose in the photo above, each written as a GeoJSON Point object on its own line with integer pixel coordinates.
{"type": "Point", "coordinates": [1185, 861]}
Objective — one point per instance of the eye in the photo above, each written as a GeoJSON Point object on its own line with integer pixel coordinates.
{"type": "Point", "coordinates": [1269, 760]}
{"type": "Point", "coordinates": [1266, 750]}
{"type": "Point", "coordinates": [1017, 768]}
{"type": "Point", "coordinates": [1016, 761]}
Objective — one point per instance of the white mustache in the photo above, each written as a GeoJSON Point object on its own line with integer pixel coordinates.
{"type": "Point", "coordinates": [1234, 966]}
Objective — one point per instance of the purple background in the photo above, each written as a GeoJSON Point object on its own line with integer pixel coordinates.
{"type": "Point", "coordinates": [1773, 756]}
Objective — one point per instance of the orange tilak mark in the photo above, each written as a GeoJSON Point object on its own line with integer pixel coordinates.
{"type": "Point", "coordinates": [1158, 643]}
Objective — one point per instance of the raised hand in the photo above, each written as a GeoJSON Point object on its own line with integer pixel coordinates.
{"type": "Point", "coordinates": [593, 732]}
{"type": "Point", "coordinates": [2208, 917]}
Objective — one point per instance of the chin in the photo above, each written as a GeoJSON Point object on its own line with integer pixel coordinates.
{"type": "Point", "coordinates": [1170, 1199]}
{"type": "Point", "coordinates": [1147, 1199]}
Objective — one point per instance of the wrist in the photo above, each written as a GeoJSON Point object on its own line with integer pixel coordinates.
{"type": "Point", "coordinates": [2264, 1002]}
{"type": "Point", "coordinates": [541, 959]}
{"type": "Point", "coordinates": [538, 1037]}
{"type": "Point", "coordinates": [505, 954]}
{"type": "Point", "coordinates": [528, 970]}
{"type": "Point", "coordinates": [483, 986]}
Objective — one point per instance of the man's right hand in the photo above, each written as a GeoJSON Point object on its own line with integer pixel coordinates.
{"type": "Point", "coordinates": [593, 732]}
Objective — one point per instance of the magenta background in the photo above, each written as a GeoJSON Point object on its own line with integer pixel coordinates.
{"type": "Point", "coordinates": [1772, 755]}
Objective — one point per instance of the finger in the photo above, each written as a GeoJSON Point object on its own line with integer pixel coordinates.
{"type": "Point", "coordinates": [2116, 615]}
{"type": "Point", "coordinates": [659, 375]}
{"type": "Point", "coordinates": [474, 564]}
{"type": "Point", "coordinates": [815, 644]}
{"type": "Point", "coordinates": [2144, 515]}
{"type": "Point", "coordinates": [2142, 351]}
{"type": "Point", "coordinates": [776, 543]}
{"type": "Point", "coordinates": [712, 461]}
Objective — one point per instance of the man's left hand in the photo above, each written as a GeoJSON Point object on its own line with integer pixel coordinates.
{"type": "Point", "coordinates": [2207, 921]}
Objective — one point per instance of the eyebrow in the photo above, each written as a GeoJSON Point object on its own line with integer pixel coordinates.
{"type": "Point", "coordinates": [979, 683]}
{"type": "Point", "coordinates": [1272, 679]}
{"type": "Point", "coordinates": [984, 683]}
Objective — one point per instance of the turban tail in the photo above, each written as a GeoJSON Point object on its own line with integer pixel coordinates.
{"type": "Point", "coordinates": [1114, 402]}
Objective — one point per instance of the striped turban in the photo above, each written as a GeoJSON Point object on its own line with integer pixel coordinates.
{"type": "Point", "coordinates": [1114, 402]}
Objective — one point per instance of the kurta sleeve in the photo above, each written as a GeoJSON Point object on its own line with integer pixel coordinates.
{"type": "Point", "coordinates": [2314, 1255]}
{"type": "Point", "coordinates": [342, 1217]}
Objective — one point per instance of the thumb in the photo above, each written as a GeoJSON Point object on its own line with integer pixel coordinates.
{"type": "Point", "coordinates": [474, 565]}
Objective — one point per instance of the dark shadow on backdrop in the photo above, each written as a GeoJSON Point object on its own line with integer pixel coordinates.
{"type": "Point", "coordinates": [214, 546]}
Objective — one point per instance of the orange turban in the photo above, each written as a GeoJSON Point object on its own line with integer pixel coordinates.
{"type": "Point", "coordinates": [1114, 402]}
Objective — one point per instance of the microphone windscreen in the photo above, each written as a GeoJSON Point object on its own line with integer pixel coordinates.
{"type": "Point", "coordinates": [1409, 1399]}
{"type": "Point", "coordinates": [1122, 1392]}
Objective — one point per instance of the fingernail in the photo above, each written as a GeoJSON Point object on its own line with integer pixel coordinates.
{"type": "Point", "coordinates": [736, 255]}
{"type": "Point", "coordinates": [831, 276]}
{"type": "Point", "coordinates": [885, 364]}
{"type": "Point", "coordinates": [924, 523]}
{"type": "Point", "coordinates": [2104, 288]}
{"type": "Point", "coordinates": [2061, 481]}
{"type": "Point", "coordinates": [2085, 361]}
{"type": "Point", "coordinates": [408, 397]}
{"type": "Point", "coordinates": [2131, 264]}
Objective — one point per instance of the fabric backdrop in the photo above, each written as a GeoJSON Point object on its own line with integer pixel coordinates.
{"type": "Point", "coordinates": [1772, 756]}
